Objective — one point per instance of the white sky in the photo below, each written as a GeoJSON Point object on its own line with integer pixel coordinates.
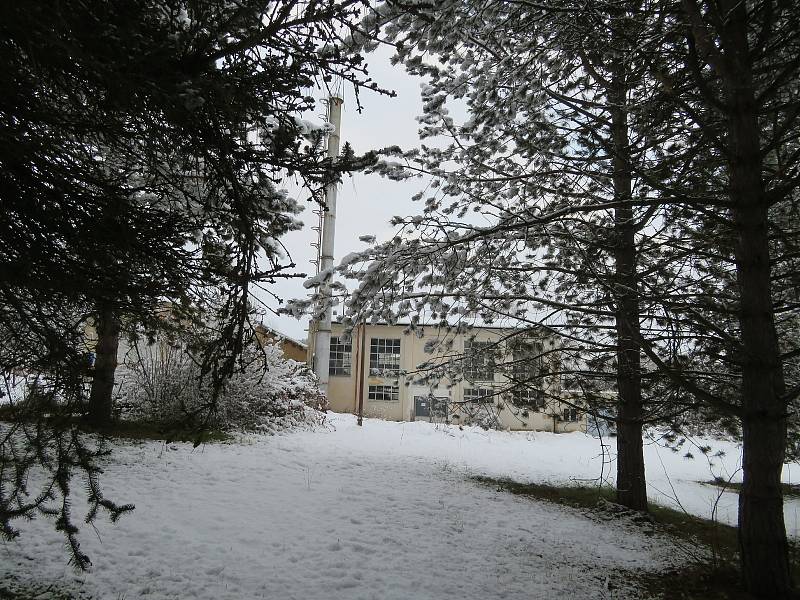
{"type": "Point", "coordinates": [365, 203]}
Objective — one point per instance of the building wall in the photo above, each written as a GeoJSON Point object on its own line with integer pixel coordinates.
{"type": "Point", "coordinates": [342, 390]}
{"type": "Point", "coordinates": [293, 350]}
{"type": "Point", "coordinates": [290, 348]}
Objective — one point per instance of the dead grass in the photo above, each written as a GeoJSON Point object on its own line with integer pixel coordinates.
{"type": "Point", "coordinates": [137, 430]}
{"type": "Point", "coordinates": [716, 578]}
{"type": "Point", "coordinates": [788, 489]}
{"type": "Point", "coordinates": [134, 430]}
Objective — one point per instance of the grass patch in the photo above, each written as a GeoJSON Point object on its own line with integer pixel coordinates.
{"type": "Point", "coordinates": [709, 579]}
{"type": "Point", "coordinates": [133, 430]}
{"type": "Point", "coordinates": [687, 527]}
{"type": "Point", "coordinates": [788, 489]}
{"type": "Point", "coordinates": [137, 430]}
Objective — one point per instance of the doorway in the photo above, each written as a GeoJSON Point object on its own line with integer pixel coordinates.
{"type": "Point", "coordinates": [432, 408]}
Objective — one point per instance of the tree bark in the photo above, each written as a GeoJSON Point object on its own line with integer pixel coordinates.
{"type": "Point", "coordinates": [762, 533]}
{"type": "Point", "coordinates": [631, 481]}
{"type": "Point", "coordinates": [101, 396]}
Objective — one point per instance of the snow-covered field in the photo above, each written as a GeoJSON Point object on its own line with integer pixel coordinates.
{"type": "Point", "coordinates": [384, 511]}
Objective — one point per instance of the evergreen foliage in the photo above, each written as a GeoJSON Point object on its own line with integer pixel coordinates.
{"type": "Point", "coordinates": [143, 148]}
{"type": "Point", "coordinates": [626, 175]}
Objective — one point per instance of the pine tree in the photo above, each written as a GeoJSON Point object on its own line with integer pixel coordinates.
{"type": "Point", "coordinates": [556, 156]}
{"type": "Point", "coordinates": [742, 64]}
{"type": "Point", "coordinates": [717, 176]}
{"type": "Point", "coordinates": [143, 149]}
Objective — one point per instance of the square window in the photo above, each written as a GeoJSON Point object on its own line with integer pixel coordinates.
{"type": "Point", "coordinates": [384, 356]}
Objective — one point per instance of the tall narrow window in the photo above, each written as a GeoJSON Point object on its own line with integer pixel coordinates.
{"type": "Point", "coordinates": [526, 374]}
{"type": "Point", "coordinates": [340, 356]}
{"type": "Point", "coordinates": [479, 361]}
{"type": "Point", "coordinates": [384, 356]}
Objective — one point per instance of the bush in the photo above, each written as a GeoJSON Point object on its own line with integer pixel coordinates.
{"type": "Point", "coordinates": [161, 383]}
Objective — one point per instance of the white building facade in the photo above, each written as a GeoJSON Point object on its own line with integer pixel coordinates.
{"type": "Point", "coordinates": [496, 377]}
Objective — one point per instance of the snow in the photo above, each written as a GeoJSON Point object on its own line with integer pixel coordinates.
{"type": "Point", "coordinates": [318, 279]}
{"type": "Point", "coordinates": [384, 511]}
{"type": "Point", "coordinates": [307, 127]}
{"type": "Point", "coordinates": [351, 258]}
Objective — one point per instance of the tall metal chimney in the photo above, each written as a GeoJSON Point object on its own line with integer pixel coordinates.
{"type": "Point", "coordinates": [322, 338]}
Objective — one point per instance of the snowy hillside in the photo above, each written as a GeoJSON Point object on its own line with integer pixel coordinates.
{"type": "Point", "coordinates": [384, 511]}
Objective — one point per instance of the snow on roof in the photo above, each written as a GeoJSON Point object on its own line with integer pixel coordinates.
{"type": "Point", "coordinates": [282, 336]}
{"type": "Point", "coordinates": [437, 325]}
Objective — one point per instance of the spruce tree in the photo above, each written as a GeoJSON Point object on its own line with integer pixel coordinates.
{"type": "Point", "coordinates": [143, 150]}
{"type": "Point", "coordinates": [556, 158]}
{"type": "Point", "coordinates": [716, 170]}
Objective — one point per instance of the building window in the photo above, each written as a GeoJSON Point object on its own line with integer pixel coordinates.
{"type": "Point", "coordinates": [570, 415]}
{"type": "Point", "coordinates": [340, 356]}
{"type": "Point", "coordinates": [481, 395]}
{"type": "Point", "coordinates": [386, 393]}
{"type": "Point", "coordinates": [528, 397]}
{"type": "Point", "coordinates": [479, 361]}
{"type": "Point", "coordinates": [526, 373]}
{"type": "Point", "coordinates": [384, 355]}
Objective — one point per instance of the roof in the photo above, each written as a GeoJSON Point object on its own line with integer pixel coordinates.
{"type": "Point", "coordinates": [408, 324]}
{"type": "Point", "coordinates": [277, 334]}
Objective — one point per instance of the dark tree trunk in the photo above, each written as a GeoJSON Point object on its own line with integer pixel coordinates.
{"type": "Point", "coordinates": [631, 482]}
{"type": "Point", "coordinates": [762, 533]}
{"type": "Point", "coordinates": [101, 397]}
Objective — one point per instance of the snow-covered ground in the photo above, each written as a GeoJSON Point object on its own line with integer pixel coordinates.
{"type": "Point", "coordinates": [384, 511]}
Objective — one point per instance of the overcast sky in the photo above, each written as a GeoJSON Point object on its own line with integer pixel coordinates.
{"type": "Point", "coordinates": [365, 203]}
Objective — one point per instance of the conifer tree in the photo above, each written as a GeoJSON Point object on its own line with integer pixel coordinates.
{"type": "Point", "coordinates": [143, 150]}
{"type": "Point", "coordinates": [716, 169]}
{"type": "Point", "coordinates": [556, 157]}
{"type": "Point", "coordinates": [741, 62]}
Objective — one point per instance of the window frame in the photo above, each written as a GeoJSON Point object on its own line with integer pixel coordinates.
{"type": "Point", "coordinates": [527, 367]}
{"type": "Point", "coordinates": [379, 349]}
{"type": "Point", "coordinates": [345, 364]}
{"type": "Point", "coordinates": [479, 396]}
{"type": "Point", "coordinates": [532, 397]}
{"type": "Point", "coordinates": [479, 364]}
{"type": "Point", "coordinates": [373, 391]}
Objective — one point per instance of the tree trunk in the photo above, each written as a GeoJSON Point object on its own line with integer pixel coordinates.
{"type": "Point", "coordinates": [762, 533]}
{"type": "Point", "coordinates": [101, 397]}
{"type": "Point", "coordinates": [631, 482]}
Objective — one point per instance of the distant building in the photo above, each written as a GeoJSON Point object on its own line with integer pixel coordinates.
{"type": "Point", "coordinates": [490, 376]}
{"type": "Point", "coordinates": [291, 348]}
